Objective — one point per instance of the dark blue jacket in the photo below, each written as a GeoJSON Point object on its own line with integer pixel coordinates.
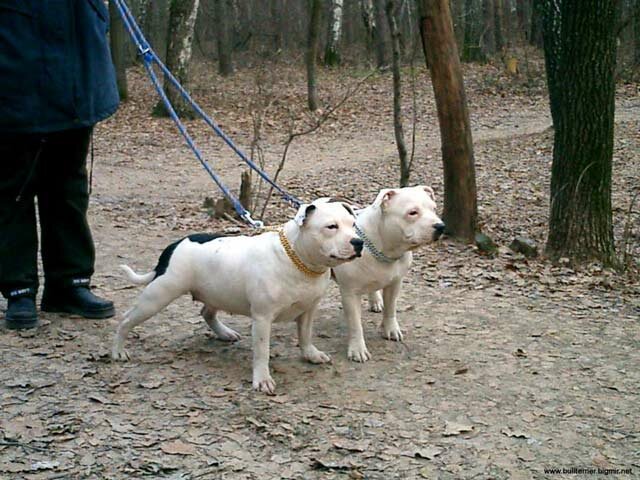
{"type": "Point", "coordinates": [55, 67]}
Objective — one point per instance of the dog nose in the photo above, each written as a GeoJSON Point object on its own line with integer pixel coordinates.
{"type": "Point", "coordinates": [439, 230]}
{"type": "Point", "coordinates": [357, 243]}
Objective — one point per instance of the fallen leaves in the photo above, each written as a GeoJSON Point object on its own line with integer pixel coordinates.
{"type": "Point", "coordinates": [178, 447]}
{"type": "Point", "coordinates": [455, 428]}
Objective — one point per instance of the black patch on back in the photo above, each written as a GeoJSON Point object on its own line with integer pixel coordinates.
{"type": "Point", "coordinates": [165, 256]}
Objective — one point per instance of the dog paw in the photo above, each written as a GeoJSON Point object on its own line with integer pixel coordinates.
{"type": "Point", "coordinates": [264, 384]}
{"type": "Point", "coordinates": [227, 334]}
{"type": "Point", "coordinates": [392, 332]}
{"type": "Point", "coordinates": [313, 355]}
{"type": "Point", "coordinates": [375, 302]}
{"type": "Point", "coordinates": [119, 355]}
{"type": "Point", "coordinates": [358, 352]}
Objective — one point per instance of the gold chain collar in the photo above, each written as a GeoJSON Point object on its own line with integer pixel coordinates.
{"type": "Point", "coordinates": [293, 256]}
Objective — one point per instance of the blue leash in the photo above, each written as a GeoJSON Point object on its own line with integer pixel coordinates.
{"type": "Point", "coordinates": [149, 57]}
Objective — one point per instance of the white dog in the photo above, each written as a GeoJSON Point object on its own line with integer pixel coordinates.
{"type": "Point", "coordinates": [397, 222]}
{"type": "Point", "coordinates": [272, 277]}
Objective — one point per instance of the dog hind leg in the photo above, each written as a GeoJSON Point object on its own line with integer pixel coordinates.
{"type": "Point", "coordinates": [220, 329]}
{"type": "Point", "coordinates": [157, 295]}
{"type": "Point", "coordinates": [375, 301]}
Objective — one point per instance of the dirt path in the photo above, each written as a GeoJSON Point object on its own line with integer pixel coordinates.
{"type": "Point", "coordinates": [510, 366]}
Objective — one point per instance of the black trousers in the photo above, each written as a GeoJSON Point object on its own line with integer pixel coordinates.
{"type": "Point", "coordinates": [51, 167]}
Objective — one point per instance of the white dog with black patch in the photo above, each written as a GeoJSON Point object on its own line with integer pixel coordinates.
{"type": "Point", "coordinates": [397, 222]}
{"type": "Point", "coordinates": [272, 277]}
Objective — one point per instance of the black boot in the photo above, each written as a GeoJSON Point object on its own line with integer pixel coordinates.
{"type": "Point", "coordinates": [21, 313]}
{"type": "Point", "coordinates": [76, 300]}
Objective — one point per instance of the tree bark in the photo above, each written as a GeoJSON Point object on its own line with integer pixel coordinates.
{"type": "Point", "coordinates": [535, 35]}
{"type": "Point", "coordinates": [580, 44]}
{"type": "Point", "coordinates": [460, 199]}
{"type": "Point", "coordinates": [312, 54]}
{"type": "Point", "coordinates": [369, 21]}
{"type": "Point", "coordinates": [489, 32]}
{"type": "Point", "coordinates": [224, 21]}
{"type": "Point", "coordinates": [156, 26]}
{"type": "Point", "coordinates": [332, 52]}
{"type": "Point", "coordinates": [499, 25]}
{"type": "Point", "coordinates": [117, 41]}
{"type": "Point", "coordinates": [398, 128]}
{"type": "Point", "coordinates": [636, 35]}
{"type": "Point", "coordinates": [472, 51]}
{"type": "Point", "coordinates": [459, 19]}
{"type": "Point", "coordinates": [182, 19]}
{"type": "Point", "coordinates": [381, 34]}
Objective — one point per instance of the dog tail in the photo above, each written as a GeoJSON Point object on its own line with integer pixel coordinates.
{"type": "Point", "coordinates": [136, 278]}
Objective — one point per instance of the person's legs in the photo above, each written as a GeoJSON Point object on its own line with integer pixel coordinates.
{"type": "Point", "coordinates": [19, 156]}
{"type": "Point", "coordinates": [68, 252]}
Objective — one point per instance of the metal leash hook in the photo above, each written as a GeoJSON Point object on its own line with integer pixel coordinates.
{"type": "Point", "coordinates": [246, 216]}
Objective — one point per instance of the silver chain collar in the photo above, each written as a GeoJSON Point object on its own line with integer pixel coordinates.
{"type": "Point", "coordinates": [377, 254]}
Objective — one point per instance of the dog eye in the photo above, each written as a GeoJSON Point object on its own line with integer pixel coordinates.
{"type": "Point", "coordinates": [413, 213]}
{"type": "Point", "coordinates": [332, 226]}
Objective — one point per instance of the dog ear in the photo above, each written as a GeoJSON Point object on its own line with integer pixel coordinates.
{"type": "Point", "coordinates": [429, 191]}
{"type": "Point", "coordinates": [349, 208]}
{"type": "Point", "coordinates": [303, 214]}
{"type": "Point", "coordinates": [383, 198]}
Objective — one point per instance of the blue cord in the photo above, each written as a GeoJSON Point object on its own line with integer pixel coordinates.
{"type": "Point", "coordinates": [149, 57]}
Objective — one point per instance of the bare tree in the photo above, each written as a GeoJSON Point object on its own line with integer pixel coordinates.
{"type": "Point", "coordinates": [488, 38]}
{"type": "Point", "coordinates": [117, 40]}
{"type": "Point", "coordinates": [224, 22]}
{"type": "Point", "coordinates": [369, 21]}
{"type": "Point", "coordinates": [332, 51]}
{"type": "Point", "coordinates": [312, 54]}
{"type": "Point", "coordinates": [182, 20]}
{"type": "Point", "coordinates": [460, 199]}
{"type": "Point", "coordinates": [473, 28]}
{"type": "Point", "coordinates": [580, 44]}
{"type": "Point", "coordinates": [381, 34]}
{"type": "Point", "coordinates": [156, 26]}
{"type": "Point", "coordinates": [398, 128]}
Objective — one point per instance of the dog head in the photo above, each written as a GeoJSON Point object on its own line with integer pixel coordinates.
{"type": "Point", "coordinates": [408, 216]}
{"type": "Point", "coordinates": [326, 232]}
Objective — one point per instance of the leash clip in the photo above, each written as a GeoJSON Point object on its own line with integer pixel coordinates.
{"type": "Point", "coordinates": [246, 216]}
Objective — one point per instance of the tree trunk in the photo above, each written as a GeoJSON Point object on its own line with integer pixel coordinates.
{"type": "Point", "coordinates": [535, 35]}
{"type": "Point", "coordinates": [459, 20]}
{"type": "Point", "coordinates": [524, 18]}
{"type": "Point", "coordinates": [369, 21]}
{"type": "Point", "coordinates": [332, 52]}
{"type": "Point", "coordinates": [312, 54]}
{"type": "Point", "coordinates": [489, 32]}
{"type": "Point", "coordinates": [636, 34]}
{"type": "Point", "coordinates": [398, 128]}
{"type": "Point", "coordinates": [381, 34]}
{"type": "Point", "coordinates": [156, 26]}
{"type": "Point", "coordinates": [182, 20]}
{"type": "Point", "coordinates": [118, 37]}
{"type": "Point", "coordinates": [224, 22]}
{"type": "Point", "coordinates": [277, 12]}
{"type": "Point", "coordinates": [460, 200]}
{"type": "Point", "coordinates": [499, 25]}
{"type": "Point", "coordinates": [472, 51]}
{"type": "Point", "coordinates": [580, 44]}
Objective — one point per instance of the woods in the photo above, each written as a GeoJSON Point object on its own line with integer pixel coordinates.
{"type": "Point", "coordinates": [383, 33]}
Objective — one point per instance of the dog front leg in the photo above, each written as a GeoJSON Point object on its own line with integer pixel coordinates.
{"type": "Point", "coordinates": [305, 329]}
{"type": "Point", "coordinates": [390, 327]}
{"type": "Point", "coordinates": [357, 350]}
{"type": "Point", "coordinates": [261, 334]}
